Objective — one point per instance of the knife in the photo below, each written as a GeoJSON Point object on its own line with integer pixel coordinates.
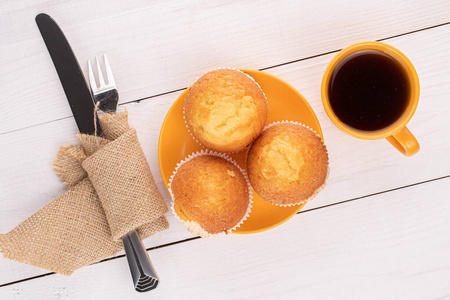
{"type": "Point", "coordinates": [82, 104]}
{"type": "Point", "coordinates": [69, 72]}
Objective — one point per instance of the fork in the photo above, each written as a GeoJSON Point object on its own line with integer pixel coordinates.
{"type": "Point", "coordinates": [107, 98]}
{"type": "Point", "coordinates": [105, 94]}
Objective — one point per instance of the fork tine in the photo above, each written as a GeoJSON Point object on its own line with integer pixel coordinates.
{"type": "Point", "coordinates": [92, 83]}
{"type": "Point", "coordinates": [100, 75]}
{"type": "Point", "coordinates": [109, 74]}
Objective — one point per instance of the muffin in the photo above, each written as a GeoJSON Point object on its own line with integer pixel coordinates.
{"type": "Point", "coordinates": [210, 195]}
{"type": "Point", "coordinates": [287, 164]}
{"type": "Point", "coordinates": [225, 110]}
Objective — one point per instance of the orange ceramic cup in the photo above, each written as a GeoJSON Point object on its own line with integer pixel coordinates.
{"type": "Point", "coordinates": [397, 133]}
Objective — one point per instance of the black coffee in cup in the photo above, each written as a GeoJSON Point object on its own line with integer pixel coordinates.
{"type": "Point", "coordinates": [369, 90]}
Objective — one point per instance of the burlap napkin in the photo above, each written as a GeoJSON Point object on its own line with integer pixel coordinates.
{"type": "Point", "coordinates": [111, 192]}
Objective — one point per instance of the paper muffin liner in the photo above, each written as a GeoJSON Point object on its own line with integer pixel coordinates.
{"type": "Point", "coordinates": [194, 227]}
{"type": "Point", "coordinates": [184, 113]}
{"type": "Point", "coordinates": [328, 169]}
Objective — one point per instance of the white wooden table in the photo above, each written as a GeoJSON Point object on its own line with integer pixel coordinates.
{"type": "Point", "coordinates": [379, 230]}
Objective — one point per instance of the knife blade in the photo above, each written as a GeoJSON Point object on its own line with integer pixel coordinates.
{"type": "Point", "coordinates": [70, 75]}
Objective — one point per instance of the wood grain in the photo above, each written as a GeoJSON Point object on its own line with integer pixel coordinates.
{"type": "Point", "coordinates": [159, 47]}
{"type": "Point", "coordinates": [389, 246]}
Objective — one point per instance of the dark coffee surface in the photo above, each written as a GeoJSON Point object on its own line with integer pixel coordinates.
{"type": "Point", "coordinates": [369, 90]}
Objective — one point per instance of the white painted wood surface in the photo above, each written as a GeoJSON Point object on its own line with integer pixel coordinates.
{"type": "Point", "coordinates": [392, 245]}
{"type": "Point", "coordinates": [159, 47]}
{"type": "Point", "coordinates": [389, 246]}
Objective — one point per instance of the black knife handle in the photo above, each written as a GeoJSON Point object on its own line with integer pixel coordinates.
{"type": "Point", "coordinates": [142, 272]}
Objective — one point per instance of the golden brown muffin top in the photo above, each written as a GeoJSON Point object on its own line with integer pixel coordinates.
{"type": "Point", "coordinates": [287, 164]}
{"type": "Point", "coordinates": [225, 110]}
{"type": "Point", "coordinates": [210, 191]}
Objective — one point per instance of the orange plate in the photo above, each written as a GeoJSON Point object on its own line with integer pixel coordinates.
{"type": "Point", "coordinates": [285, 103]}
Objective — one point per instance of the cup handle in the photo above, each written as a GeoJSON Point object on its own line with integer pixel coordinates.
{"type": "Point", "coordinates": [405, 142]}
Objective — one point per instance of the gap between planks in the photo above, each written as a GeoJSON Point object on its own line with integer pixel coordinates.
{"type": "Point", "coordinates": [197, 237]}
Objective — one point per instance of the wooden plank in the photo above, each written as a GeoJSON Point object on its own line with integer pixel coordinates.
{"type": "Point", "coordinates": [358, 167]}
{"type": "Point", "coordinates": [389, 246]}
{"type": "Point", "coordinates": [160, 47]}
{"type": "Point", "coordinates": [17, 18]}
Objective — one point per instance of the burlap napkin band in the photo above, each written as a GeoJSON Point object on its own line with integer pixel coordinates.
{"type": "Point", "coordinates": [85, 224]}
{"type": "Point", "coordinates": [120, 174]}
